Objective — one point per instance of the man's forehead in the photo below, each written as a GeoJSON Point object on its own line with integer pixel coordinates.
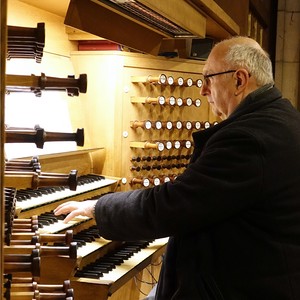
{"type": "Point", "coordinates": [215, 59]}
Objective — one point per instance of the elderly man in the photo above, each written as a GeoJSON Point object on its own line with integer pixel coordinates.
{"type": "Point", "coordinates": [233, 216]}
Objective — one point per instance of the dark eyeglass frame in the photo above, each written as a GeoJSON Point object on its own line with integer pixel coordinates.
{"type": "Point", "coordinates": [219, 73]}
{"type": "Point", "coordinates": [205, 77]}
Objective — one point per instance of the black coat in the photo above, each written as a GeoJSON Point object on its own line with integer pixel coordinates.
{"type": "Point", "coordinates": [233, 216]}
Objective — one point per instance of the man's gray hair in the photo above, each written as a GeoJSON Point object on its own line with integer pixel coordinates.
{"type": "Point", "coordinates": [254, 59]}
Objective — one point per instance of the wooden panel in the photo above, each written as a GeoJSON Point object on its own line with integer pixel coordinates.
{"type": "Point", "coordinates": [58, 7]}
{"type": "Point", "coordinates": [188, 18]}
{"type": "Point", "coordinates": [56, 39]}
{"type": "Point", "coordinates": [100, 20]}
{"type": "Point", "coordinates": [215, 14]}
{"type": "Point", "coordinates": [238, 12]}
{"type": "Point", "coordinates": [163, 113]}
{"type": "Point", "coordinates": [111, 110]}
{"type": "Point", "coordinates": [3, 9]}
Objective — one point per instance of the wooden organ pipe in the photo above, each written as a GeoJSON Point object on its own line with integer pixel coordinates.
{"type": "Point", "coordinates": [44, 250]}
{"type": "Point", "coordinates": [23, 165]}
{"type": "Point", "coordinates": [39, 136]}
{"type": "Point", "coordinates": [45, 288]}
{"type": "Point", "coordinates": [35, 180]}
{"type": "Point", "coordinates": [26, 252]}
{"type": "Point", "coordinates": [25, 162]}
{"type": "Point", "coordinates": [25, 225]}
{"type": "Point", "coordinates": [32, 267]}
{"type": "Point", "coordinates": [37, 295]}
{"type": "Point", "coordinates": [33, 83]}
{"type": "Point", "coordinates": [36, 167]}
{"type": "Point", "coordinates": [26, 42]}
{"type": "Point", "coordinates": [20, 237]}
{"type": "Point", "coordinates": [12, 257]}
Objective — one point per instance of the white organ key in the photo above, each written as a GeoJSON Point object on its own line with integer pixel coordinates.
{"type": "Point", "coordinates": [91, 247]}
{"type": "Point", "coordinates": [133, 262]}
{"type": "Point", "coordinates": [62, 194]}
{"type": "Point", "coordinates": [61, 226]}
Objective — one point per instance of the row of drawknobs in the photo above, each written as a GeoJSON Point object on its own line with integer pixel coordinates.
{"type": "Point", "coordinates": [164, 101]}
{"type": "Point", "coordinates": [147, 181]}
{"type": "Point", "coordinates": [189, 125]}
{"type": "Point", "coordinates": [158, 167]}
{"type": "Point", "coordinates": [163, 79]}
{"type": "Point", "coordinates": [161, 145]}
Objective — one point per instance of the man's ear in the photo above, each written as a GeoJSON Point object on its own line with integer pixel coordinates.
{"type": "Point", "coordinates": [241, 77]}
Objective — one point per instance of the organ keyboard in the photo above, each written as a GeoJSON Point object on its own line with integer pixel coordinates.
{"type": "Point", "coordinates": [31, 201]}
{"type": "Point", "coordinates": [123, 269]}
{"type": "Point", "coordinates": [117, 283]}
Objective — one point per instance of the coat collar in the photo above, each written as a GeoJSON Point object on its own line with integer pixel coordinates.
{"type": "Point", "coordinates": [255, 100]}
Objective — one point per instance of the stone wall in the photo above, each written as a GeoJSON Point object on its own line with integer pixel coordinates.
{"type": "Point", "coordinates": [287, 67]}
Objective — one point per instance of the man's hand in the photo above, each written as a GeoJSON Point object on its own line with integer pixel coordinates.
{"type": "Point", "coordinates": [76, 208]}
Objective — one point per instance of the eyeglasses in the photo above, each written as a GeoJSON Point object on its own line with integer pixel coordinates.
{"type": "Point", "coordinates": [205, 77]}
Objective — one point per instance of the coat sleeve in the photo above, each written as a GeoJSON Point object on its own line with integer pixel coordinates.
{"type": "Point", "coordinates": [223, 181]}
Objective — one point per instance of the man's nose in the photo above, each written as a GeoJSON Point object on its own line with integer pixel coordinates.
{"type": "Point", "coordinates": [204, 91]}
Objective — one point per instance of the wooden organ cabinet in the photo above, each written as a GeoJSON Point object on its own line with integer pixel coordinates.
{"type": "Point", "coordinates": [145, 110]}
{"type": "Point", "coordinates": [140, 113]}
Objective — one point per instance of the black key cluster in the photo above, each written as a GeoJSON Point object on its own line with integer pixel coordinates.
{"type": "Point", "coordinates": [108, 262]}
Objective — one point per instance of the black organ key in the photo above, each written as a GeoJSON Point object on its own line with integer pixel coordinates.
{"type": "Point", "coordinates": [89, 274]}
{"type": "Point", "coordinates": [109, 261]}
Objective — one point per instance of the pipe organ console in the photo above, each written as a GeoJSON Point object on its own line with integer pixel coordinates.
{"type": "Point", "coordinates": [145, 113]}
